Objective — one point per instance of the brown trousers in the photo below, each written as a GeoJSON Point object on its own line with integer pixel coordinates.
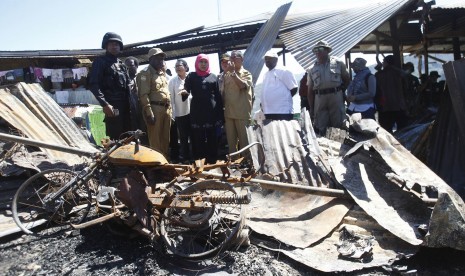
{"type": "Point", "coordinates": [159, 133]}
{"type": "Point", "coordinates": [236, 131]}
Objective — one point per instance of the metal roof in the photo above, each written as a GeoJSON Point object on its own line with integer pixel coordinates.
{"type": "Point", "coordinates": [358, 29]}
{"type": "Point", "coordinates": [264, 41]}
{"type": "Point", "coordinates": [343, 29]}
{"type": "Point", "coordinates": [291, 150]}
{"type": "Point", "coordinates": [28, 108]}
{"type": "Point", "coordinates": [447, 150]}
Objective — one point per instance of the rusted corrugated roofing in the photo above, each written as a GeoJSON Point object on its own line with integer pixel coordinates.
{"type": "Point", "coordinates": [29, 109]}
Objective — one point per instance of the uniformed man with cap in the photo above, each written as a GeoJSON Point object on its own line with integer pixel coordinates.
{"type": "Point", "coordinates": [327, 79]}
{"type": "Point", "coordinates": [109, 82]}
{"type": "Point", "coordinates": [154, 98]}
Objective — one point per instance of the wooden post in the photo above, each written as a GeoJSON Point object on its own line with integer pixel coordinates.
{"type": "Point", "coordinates": [395, 41]}
{"type": "Point", "coordinates": [455, 42]}
{"type": "Point", "coordinates": [456, 47]}
{"type": "Point", "coordinates": [348, 58]}
{"type": "Point", "coordinates": [426, 58]}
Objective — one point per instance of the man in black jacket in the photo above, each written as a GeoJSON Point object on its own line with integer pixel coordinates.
{"type": "Point", "coordinates": [109, 82]}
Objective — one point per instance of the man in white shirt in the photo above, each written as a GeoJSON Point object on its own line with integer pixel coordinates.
{"type": "Point", "coordinates": [181, 109]}
{"type": "Point", "coordinates": [279, 86]}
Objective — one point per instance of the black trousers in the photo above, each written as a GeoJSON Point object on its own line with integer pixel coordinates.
{"type": "Point", "coordinates": [205, 144]}
{"type": "Point", "coordinates": [115, 126]}
{"type": "Point", "coordinates": [387, 119]}
{"type": "Point", "coordinates": [184, 128]}
{"type": "Point", "coordinates": [174, 146]}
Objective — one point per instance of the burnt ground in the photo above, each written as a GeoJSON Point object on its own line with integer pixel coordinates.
{"type": "Point", "coordinates": [94, 251]}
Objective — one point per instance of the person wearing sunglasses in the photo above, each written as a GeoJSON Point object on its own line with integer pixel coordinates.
{"type": "Point", "coordinates": [327, 79]}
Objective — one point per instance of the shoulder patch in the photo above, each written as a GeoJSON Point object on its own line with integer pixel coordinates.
{"type": "Point", "coordinates": [143, 78]}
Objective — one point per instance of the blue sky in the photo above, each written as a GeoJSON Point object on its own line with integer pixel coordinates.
{"type": "Point", "coordinates": [58, 24]}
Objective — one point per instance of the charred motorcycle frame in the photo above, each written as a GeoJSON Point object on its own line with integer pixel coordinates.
{"type": "Point", "coordinates": [133, 187]}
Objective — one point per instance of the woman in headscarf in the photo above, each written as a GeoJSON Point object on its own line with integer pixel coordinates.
{"type": "Point", "coordinates": [206, 109]}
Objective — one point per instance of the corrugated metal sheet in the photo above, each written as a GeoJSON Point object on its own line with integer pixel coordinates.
{"type": "Point", "coordinates": [383, 157]}
{"type": "Point", "coordinates": [450, 6]}
{"type": "Point", "coordinates": [48, 111]}
{"type": "Point", "coordinates": [295, 219]}
{"type": "Point", "coordinates": [342, 29]}
{"type": "Point", "coordinates": [28, 108]}
{"type": "Point", "coordinates": [291, 151]}
{"type": "Point", "coordinates": [325, 257]}
{"type": "Point", "coordinates": [445, 24]}
{"type": "Point", "coordinates": [447, 152]}
{"type": "Point", "coordinates": [259, 18]}
{"type": "Point", "coordinates": [263, 41]}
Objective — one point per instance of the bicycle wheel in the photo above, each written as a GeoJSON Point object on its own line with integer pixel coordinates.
{"type": "Point", "coordinates": [35, 216]}
{"type": "Point", "coordinates": [203, 232]}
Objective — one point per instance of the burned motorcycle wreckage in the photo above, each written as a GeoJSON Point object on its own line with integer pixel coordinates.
{"type": "Point", "coordinates": [134, 188]}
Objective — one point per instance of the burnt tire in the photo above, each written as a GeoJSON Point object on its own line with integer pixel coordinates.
{"type": "Point", "coordinates": [197, 234]}
{"type": "Point", "coordinates": [35, 216]}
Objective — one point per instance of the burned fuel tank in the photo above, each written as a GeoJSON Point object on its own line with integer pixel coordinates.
{"type": "Point", "coordinates": [127, 156]}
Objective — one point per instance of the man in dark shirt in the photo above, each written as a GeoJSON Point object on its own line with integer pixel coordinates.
{"type": "Point", "coordinates": [391, 87]}
{"type": "Point", "coordinates": [137, 121]}
{"type": "Point", "coordinates": [435, 88]}
{"type": "Point", "coordinates": [303, 90]}
{"type": "Point", "coordinates": [109, 82]}
{"type": "Point", "coordinates": [411, 97]}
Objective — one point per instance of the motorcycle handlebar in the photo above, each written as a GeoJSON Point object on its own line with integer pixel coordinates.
{"type": "Point", "coordinates": [133, 135]}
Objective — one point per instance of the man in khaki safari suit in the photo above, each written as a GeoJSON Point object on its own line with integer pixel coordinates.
{"type": "Point", "coordinates": [237, 97]}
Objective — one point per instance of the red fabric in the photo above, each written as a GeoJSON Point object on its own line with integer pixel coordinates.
{"type": "Point", "coordinates": [197, 69]}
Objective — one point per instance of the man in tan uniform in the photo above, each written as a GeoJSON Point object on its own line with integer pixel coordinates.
{"type": "Point", "coordinates": [327, 79]}
{"type": "Point", "coordinates": [154, 98]}
{"type": "Point", "coordinates": [237, 97]}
